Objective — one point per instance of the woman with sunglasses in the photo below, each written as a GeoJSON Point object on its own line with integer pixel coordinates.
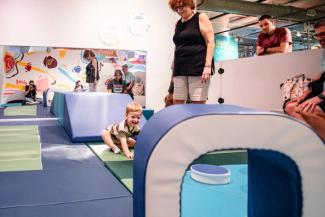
{"type": "Point", "coordinates": [193, 57]}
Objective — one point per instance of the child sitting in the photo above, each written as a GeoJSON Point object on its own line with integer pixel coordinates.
{"type": "Point", "coordinates": [78, 86]}
{"type": "Point", "coordinates": [30, 93]}
{"type": "Point", "coordinates": [122, 135]}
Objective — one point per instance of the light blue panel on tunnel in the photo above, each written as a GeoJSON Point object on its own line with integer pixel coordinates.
{"type": "Point", "coordinates": [198, 199]}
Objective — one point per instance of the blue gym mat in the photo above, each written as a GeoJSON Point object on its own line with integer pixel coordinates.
{"type": "Point", "coordinates": [115, 207]}
{"type": "Point", "coordinates": [54, 134]}
{"type": "Point", "coordinates": [62, 156]}
{"type": "Point", "coordinates": [74, 182]}
{"type": "Point", "coordinates": [57, 186]}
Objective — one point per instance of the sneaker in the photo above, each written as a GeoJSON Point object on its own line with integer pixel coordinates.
{"type": "Point", "coordinates": [116, 150]}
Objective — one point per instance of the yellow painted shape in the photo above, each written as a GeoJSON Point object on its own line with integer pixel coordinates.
{"type": "Point", "coordinates": [14, 86]}
{"type": "Point", "coordinates": [23, 64]}
{"type": "Point", "coordinates": [37, 69]}
{"type": "Point", "coordinates": [31, 53]}
{"type": "Point", "coordinates": [64, 86]}
{"type": "Point", "coordinates": [62, 53]}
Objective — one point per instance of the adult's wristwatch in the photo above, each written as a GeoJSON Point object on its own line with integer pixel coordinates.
{"type": "Point", "coordinates": [321, 96]}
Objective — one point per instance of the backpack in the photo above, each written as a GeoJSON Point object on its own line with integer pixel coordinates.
{"type": "Point", "coordinates": [294, 87]}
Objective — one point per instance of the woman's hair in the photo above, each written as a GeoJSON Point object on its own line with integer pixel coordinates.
{"type": "Point", "coordinates": [77, 82]}
{"type": "Point", "coordinates": [133, 107]}
{"type": "Point", "coordinates": [89, 53]}
{"type": "Point", "coordinates": [117, 71]}
{"type": "Point", "coordinates": [174, 3]}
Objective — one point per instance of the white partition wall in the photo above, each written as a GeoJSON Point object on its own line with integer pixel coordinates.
{"type": "Point", "coordinates": [78, 24]}
{"type": "Point", "coordinates": [255, 82]}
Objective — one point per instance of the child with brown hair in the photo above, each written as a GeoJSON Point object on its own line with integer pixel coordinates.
{"type": "Point", "coordinates": [122, 135]}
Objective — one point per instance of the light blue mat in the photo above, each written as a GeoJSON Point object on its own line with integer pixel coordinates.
{"type": "Point", "coordinates": [228, 200]}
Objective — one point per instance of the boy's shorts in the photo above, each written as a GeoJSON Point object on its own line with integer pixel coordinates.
{"type": "Point", "coordinates": [190, 87]}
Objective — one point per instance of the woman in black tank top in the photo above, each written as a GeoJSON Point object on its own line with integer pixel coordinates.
{"type": "Point", "coordinates": [92, 74]}
{"type": "Point", "coordinates": [193, 57]}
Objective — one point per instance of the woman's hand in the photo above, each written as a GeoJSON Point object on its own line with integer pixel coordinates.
{"type": "Point", "coordinates": [310, 104]}
{"type": "Point", "coordinates": [206, 74]}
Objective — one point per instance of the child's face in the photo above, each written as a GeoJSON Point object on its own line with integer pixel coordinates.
{"type": "Point", "coordinates": [133, 118]}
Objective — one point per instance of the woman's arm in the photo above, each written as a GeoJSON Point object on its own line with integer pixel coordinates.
{"type": "Point", "coordinates": [206, 30]}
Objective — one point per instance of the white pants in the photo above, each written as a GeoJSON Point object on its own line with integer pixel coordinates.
{"type": "Point", "coordinates": [192, 87]}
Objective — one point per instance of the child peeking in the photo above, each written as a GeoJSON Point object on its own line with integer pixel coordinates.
{"type": "Point", "coordinates": [122, 135]}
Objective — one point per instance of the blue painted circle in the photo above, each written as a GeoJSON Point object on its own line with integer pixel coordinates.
{"type": "Point", "coordinates": [209, 169]}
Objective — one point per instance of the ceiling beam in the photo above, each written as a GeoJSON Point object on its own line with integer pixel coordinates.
{"type": "Point", "coordinates": [256, 9]}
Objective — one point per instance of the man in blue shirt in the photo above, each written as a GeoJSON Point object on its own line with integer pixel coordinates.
{"type": "Point", "coordinates": [128, 79]}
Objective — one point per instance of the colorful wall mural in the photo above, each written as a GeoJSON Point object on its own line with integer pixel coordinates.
{"type": "Point", "coordinates": [60, 68]}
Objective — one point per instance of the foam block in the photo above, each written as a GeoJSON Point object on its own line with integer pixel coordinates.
{"type": "Point", "coordinates": [85, 115]}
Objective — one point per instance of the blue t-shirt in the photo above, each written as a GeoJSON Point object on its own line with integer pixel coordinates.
{"type": "Point", "coordinates": [128, 78]}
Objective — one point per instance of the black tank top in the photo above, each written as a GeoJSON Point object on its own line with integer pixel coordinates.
{"type": "Point", "coordinates": [190, 51]}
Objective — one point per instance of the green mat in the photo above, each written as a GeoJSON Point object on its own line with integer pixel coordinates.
{"type": "Point", "coordinates": [10, 104]}
{"type": "Point", "coordinates": [228, 157]}
{"type": "Point", "coordinates": [122, 168]}
{"type": "Point", "coordinates": [19, 127]}
{"type": "Point", "coordinates": [18, 131]}
{"type": "Point", "coordinates": [20, 148]}
{"type": "Point", "coordinates": [20, 110]}
{"type": "Point", "coordinates": [118, 164]}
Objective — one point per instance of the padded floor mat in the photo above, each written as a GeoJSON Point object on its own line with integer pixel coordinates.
{"type": "Point", "coordinates": [20, 111]}
{"type": "Point", "coordinates": [20, 148]}
{"type": "Point", "coordinates": [118, 164]}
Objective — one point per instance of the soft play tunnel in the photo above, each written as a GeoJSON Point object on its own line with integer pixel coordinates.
{"type": "Point", "coordinates": [173, 138]}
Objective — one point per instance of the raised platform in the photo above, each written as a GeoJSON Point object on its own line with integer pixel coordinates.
{"type": "Point", "coordinates": [84, 115]}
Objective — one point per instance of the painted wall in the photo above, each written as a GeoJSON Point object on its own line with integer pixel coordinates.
{"type": "Point", "coordinates": [61, 68]}
{"type": "Point", "coordinates": [77, 24]}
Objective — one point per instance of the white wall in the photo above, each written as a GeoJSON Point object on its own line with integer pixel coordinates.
{"type": "Point", "coordinates": [75, 23]}
{"type": "Point", "coordinates": [255, 82]}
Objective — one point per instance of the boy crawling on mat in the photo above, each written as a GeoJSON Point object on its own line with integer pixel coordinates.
{"type": "Point", "coordinates": [122, 135]}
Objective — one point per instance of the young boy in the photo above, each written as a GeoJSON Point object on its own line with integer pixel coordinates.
{"type": "Point", "coordinates": [122, 135]}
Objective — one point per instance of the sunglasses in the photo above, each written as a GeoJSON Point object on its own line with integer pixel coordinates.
{"type": "Point", "coordinates": [319, 35]}
{"type": "Point", "coordinates": [179, 7]}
